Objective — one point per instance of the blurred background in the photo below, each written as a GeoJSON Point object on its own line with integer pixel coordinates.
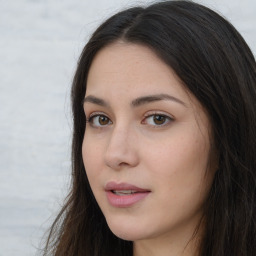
{"type": "Point", "coordinates": [40, 42]}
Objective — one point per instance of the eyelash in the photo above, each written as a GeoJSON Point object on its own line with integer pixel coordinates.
{"type": "Point", "coordinates": [94, 115]}
{"type": "Point", "coordinates": [167, 119]}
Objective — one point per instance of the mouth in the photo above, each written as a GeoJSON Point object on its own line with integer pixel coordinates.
{"type": "Point", "coordinates": [124, 192]}
{"type": "Point", "coordinates": [123, 195]}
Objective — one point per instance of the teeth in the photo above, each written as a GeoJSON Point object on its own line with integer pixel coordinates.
{"type": "Point", "coordinates": [123, 192]}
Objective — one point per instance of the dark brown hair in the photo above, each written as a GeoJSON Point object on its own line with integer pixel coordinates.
{"type": "Point", "coordinates": [216, 65]}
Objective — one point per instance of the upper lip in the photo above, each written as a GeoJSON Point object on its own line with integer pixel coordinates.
{"type": "Point", "coordinates": [113, 186]}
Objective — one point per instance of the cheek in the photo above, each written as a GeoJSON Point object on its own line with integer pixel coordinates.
{"type": "Point", "coordinates": [178, 154]}
{"type": "Point", "coordinates": [179, 163]}
{"type": "Point", "coordinates": [181, 173]}
{"type": "Point", "coordinates": [91, 153]}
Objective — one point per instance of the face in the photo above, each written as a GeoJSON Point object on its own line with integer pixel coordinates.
{"type": "Point", "coordinates": [146, 145]}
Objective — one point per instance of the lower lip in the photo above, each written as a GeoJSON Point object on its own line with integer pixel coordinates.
{"type": "Point", "coordinates": [125, 200]}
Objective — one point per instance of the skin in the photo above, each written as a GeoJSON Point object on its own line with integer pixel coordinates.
{"type": "Point", "coordinates": [129, 144]}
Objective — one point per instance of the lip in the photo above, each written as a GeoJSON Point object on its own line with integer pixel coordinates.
{"type": "Point", "coordinates": [124, 200]}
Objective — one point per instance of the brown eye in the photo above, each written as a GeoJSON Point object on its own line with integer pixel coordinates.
{"type": "Point", "coordinates": [99, 121]}
{"type": "Point", "coordinates": [159, 119]}
{"type": "Point", "coordinates": [103, 120]}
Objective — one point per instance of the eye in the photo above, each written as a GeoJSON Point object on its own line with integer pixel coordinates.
{"type": "Point", "coordinates": [157, 120]}
{"type": "Point", "coordinates": [98, 120]}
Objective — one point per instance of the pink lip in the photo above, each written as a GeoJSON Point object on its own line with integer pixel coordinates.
{"type": "Point", "coordinates": [123, 201]}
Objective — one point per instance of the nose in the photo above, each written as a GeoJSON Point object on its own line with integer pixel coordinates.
{"type": "Point", "coordinates": [121, 150]}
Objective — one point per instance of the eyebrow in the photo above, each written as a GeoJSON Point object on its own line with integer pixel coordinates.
{"type": "Point", "coordinates": [95, 100]}
{"type": "Point", "coordinates": [137, 102]}
{"type": "Point", "coordinates": [152, 98]}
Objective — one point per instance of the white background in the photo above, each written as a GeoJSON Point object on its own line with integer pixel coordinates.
{"type": "Point", "coordinates": [40, 41]}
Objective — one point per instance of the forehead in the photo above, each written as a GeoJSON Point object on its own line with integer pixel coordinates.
{"type": "Point", "coordinates": [130, 66]}
{"type": "Point", "coordinates": [130, 70]}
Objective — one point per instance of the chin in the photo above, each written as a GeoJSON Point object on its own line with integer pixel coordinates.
{"type": "Point", "coordinates": [127, 235]}
{"type": "Point", "coordinates": [126, 231]}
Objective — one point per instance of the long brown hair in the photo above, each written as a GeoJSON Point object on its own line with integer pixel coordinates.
{"type": "Point", "coordinates": [217, 66]}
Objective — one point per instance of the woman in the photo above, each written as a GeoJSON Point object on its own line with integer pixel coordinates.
{"type": "Point", "coordinates": [164, 148]}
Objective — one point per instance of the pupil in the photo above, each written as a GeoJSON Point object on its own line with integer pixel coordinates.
{"type": "Point", "coordinates": [103, 120]}
{"type": "Point", "coordinates": [159, 119]}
